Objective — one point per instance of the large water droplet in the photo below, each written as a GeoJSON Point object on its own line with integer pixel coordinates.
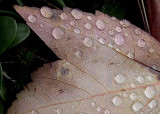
{"type": "Point", "coordinates": [89, 17]}
{"type": "Point", "coordinates": [107, 111]}
{"type": "Point", "coordinates": [88, 42]}
{"type": "Point", "coordinates": [137, 106]}
{"type": "Point", "coordinates": [100, 24]}
{"type": "Point", "coordinates": [119, 39]}
{"type": "Point", "coordinates": [120, 78]}
{"type": "Point", "coordinates": [141, 42]}
{"type": "Point", "coordinates": [130, 55]}
{"type": "Point", "coordinates": [133, 96]}
{"type": "Point", "coordinates": [79, 54]}
{"type": "Point", "coordinates": [102, 40]}
{"type": "Point", "coordinates": [58, 33]}
{"type": "Point", "coordinates": [88, 26]}
{"type": "Point", "coordinates": [63, 16]}
{"type": "Point", "coordinates": [151, 50]}
{"type": "Point", "coordinates": [138, 31]}
{"type": "Point", "coordinates": [77, 31]}
{"type": "Point", "coordinates": [124, 23]}
{"type": "Point", "coordinates": [153, 103]}
{"type": "Point", "coordinates": [118, 29]}
{"type": "Point", "coordinates": [32, 18]}
{"type": "Point", "coordinates": [77, 14]}
{"type": "Point", "coordinates": [140, 79]}
{"type": "Point", "coordinates": [117, 100]}
{"type": "Point", "coordinates": [150, 91]}
{"type": "Point", "coordinates": [46, 11]}
{"type": "Point", "coordinates": [35, 112]}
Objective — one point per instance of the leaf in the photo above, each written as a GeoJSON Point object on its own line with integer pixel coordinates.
{"type": "Point", "coordinates": [22, 33]}
{"type": "Point", "coordinates": [95, 75]}
{"type": "Point", "coordinates": [61, 3]}
{"type": "Point", "coordinates": [8, 29]}
{"type": "Point", "coordinates": [2, 86]}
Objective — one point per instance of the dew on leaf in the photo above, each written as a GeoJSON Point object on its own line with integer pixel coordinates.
{"type": "Point", "coordinates": [32, 18]}
{"type": "Point", "coordinates": [100, 24]}
{"type": "Point", "coordinates": [77, 14]}
{"type": "Point", "coordinates": [46, 11]}
{"type": "Point", "coordinates": [58, 33]}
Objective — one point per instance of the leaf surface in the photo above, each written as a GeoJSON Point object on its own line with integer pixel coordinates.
{"type": "Point", "coordinates": [101, 70]}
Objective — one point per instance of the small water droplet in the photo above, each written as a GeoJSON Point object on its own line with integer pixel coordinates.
{"type": "Point", "coordinates": [79, 54]}
{"type": "Point", "coordinates": [117, 100]}
{"type": "Point", "coordinates": [140, 79]}
{"type": "Point", "coordinates": [138, 31]}
{"type": "Point", "coordinates": [120, 78]}
{"type": "Point", "coordinates": [72, 106]}
{"type": "Point", "coordinates": [102, 40]}
{"type": "Point", "coordinates": [96, 35]}
{"type": "Point", "coordinates": [153, 103]}
{"type": "Point", "coordinates": [88, 26]}
{"type": "Point", "coordinates": [151, 50]}
{"type": "Point", "coordinates": [88, 42]}
{"type": "Point", "coordinates": [133, 85]}
{"type": "Point", "coordinates": [141, 42]}
{"type": "Point", "coordinates": [107, 111]}
{"type": "Point", "coordinates": [133, 96]}
{"type": "Point", "coordinates": [59, 111]}
{"type": "Point", "coordinates": [72, 23]}
{"type": "Point", "coordinates": [58, 33]}
{"type": "Point", "coordinates": [46, 11]}
{"type": "Point", "coordinates": [150, 91]}
{"type": "Point", "coordinates": [41, 25]}
{"type": "Point", "coordinates": [89, 17]}
{"type": "Point", "coordinates": [77, 31]}
{"type": "Point", "coordinates": [100, 24]}
{"type": "Point", "coordinates": [130, 55]}
{"type": "Point", "coordinates": [111, 32]}
{"type": "Point", "coordinates": [77, 14]}
{"type": "Point", "coordinates": [113, 18]}
{"type": "Point", "coordinates": [137, 106]}
{"type": "Point", "coordinates": [117, 49]}
{"type": "Point", "coordinates": [126, 34]}
{"type": "Point", "coordinates": [125, 94]}
{"type": "Point", "coordinates": [150, 78]}
{"type": "Point", "coordinates": [110, 45]}
{"type": "Point", "coordinates": [32, 18]}
{"type": "Point", "coordinates": [124, 23]}
{"type": "Point", "coordinates": [118, 29]}
{"type": "Point", "coordinates": [155, 67]}
{"type": "Point", "coordinates": [93, 104]}
{"type": "Point", "coordinates": [35, 112]}
{"type": "Point", "coordinates": [99, 109]}
{"type": "Point", "coordinates": [63, 16]}
{"type": "Point", "coordinates": [119, 39]}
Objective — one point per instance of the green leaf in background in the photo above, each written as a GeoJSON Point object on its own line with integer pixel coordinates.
{"type": "Point", "coordinates": [22, 33]}
{"type": "Point", "coordinates": [8, 29]}
{"type": "Point", "coordinates": [20, 2]}
{"type": "Point", "coordinates": [1, 107]}
{"type": "Point", "coordinates": [114, 8]}
{"type": "Point", "coordinates": [61, 3]}
{"type": "Point", "coordinates": [2, 86]}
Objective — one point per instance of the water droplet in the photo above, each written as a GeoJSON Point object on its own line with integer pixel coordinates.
{"type": "Point", "coordinates": [137, 106]}
{"type": "Point", "coordinates": [151, 50]}
{"type": "Point", "coordinates": [102, 40]}
{"type": "Point", "coordinates": [110, 45]}
{"type": "Point", "coordinates": [99, 109]}
{"type": "Point", "coordinates": [153, 103]}
{"type": "Point", "coordinates": [88, 42]}
{"type": "Point", "coordinates": [59, 111]}
{"type": "Point", "coordinates": [133, 85]}
{"type": "Point", "coordinates": [89, 17]}
{"type": "Point", "coordinates": [72, 106]}
{"type": "Point", "coordinates": [120, 78]}
{"type": "Point", "coordinates": [96, 35]}
{"type": "Point", "coordinates": [133, 96]}
{"type": "Point", "coordinates": [72, 23]}
{"type": "Point", "coordinates": [111, 32]}
{"type": "Point", "coordinates": [93, 104]}
{"type": "Point", "coordinates": [150, 91]}
{"type": "Point", "coordinates": [79, 54]}
{"type": "Point", "coordinates": [117, 49]}
{"type": "Point", "coordinates": [118, 29]}
{"type": "Point", "coordinates": [113, 18]}
{"type": "Point", "coordinates": [41, 25]}
{"type": "Point", "coordinates": [119, 39]}
{"type": "Point", "coordinates": [140, 79]}
{"type": "Point", "coordinates": [63, 16]}
{"type": "Point", "coordinates": [88, 26]}
{"type": "Point", "coordinates": [77, 14]}
{"type": "Point", "coordinates": [125, 94]}
{"type": "Point", "coordinates": [77, 31]}
{"type": "Point", "coordinates": [141, 42]}
{"type": "Point", "coordinates": [46, 11]}
{"type": "Point", "coordinates": [58, 33]}
{"type": "Point", "coordinates": [150, 78]}
{"type": "Point", "coordinates": [100, 24]}
{"type": "Point", "coordinates": [35, 112]}
{"type": "Point", "coordinates": [124, 23]}
{"type": "Point", "coordinates": [107, 111]}
{"type": "Point", "coordinates": [155, 67]}
{"type": "Point", "coordinates": [138, 31]}
{"type": "Point", "coordinates": [130, 55]}
{"type": "Point", "coordinates": [32, 18]}
{"type": "Point", "coordinates": [117, 100]}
